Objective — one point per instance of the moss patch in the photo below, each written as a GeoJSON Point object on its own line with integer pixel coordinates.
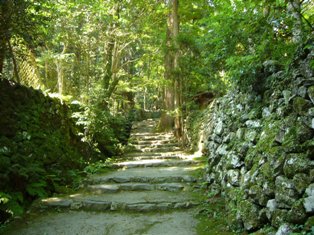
{"type": "Point", "coordinates": [212, 218]}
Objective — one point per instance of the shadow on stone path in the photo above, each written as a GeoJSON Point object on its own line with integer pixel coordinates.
{"type": "Point", "coordinates": [150, 192]}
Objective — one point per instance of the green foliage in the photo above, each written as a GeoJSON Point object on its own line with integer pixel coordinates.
{"type": "Point", "coordinates": [101, 129]}
{"type": "Point", "coordinates": [39, 147]}
{"type": "Point", "coordinates": [99, 166]}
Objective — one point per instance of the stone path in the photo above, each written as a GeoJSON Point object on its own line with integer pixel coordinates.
{"type": "Point", "coordinates": [150, 192]}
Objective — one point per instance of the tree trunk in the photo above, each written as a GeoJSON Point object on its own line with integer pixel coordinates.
{"type": "Point", "coordinates": [5, 30]}
{"type": "Point", "coordinates": [172, 102]}
{"type": "Point", "coordinates": [59, 65]}
{"type": "Point", "coordinates": [108, 66]}
{"type": "Point", "coordinates": [2, 54]}
{"type": "Point", "coordinates": [178, 121]}
{"type": "Point", "coordinates": [60, 78]}
{"type": "Point", "coordinates": [15, 68]}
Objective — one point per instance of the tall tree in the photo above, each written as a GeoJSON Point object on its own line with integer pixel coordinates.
{"type": "Point", "coordinates": [172, 97]}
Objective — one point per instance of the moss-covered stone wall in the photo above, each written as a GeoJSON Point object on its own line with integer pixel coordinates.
{"type": "Point", "coordinates": [260, 147]}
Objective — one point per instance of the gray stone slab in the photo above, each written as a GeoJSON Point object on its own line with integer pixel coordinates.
{"type": "Point", "coordinates": [113, 223]}
{"type": "Point", "coordinates": [160, 174]}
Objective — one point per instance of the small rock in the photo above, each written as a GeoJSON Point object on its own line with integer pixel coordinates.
{"type": "Point", "coordinates": [249, 213]}
{"type": "Point", "coordinates": [309, 204]}
{"type": "Point", "coordinates": [251, 135]}
{"type": "Point", "coordinates": [266, 112]}
{"type": "Point", "coordinates": [297, 214]}
{"type": "Point", "coordinates": [310, 190]}
{"type": "Point", "coordinates": [279, 217]}
{"type": "Point", "coordinates": [284, 229]}
{"type": "Point", "coordinates": [222, 150]}
{"type": "Point", "coordinates": [301, 181]}
{"type": "Point", "coordinates": [233, 161]}
{"type": "Point", "coordinates": [240, 133]}
{"type": "Point", "coordinates": [287, 95]}
{"type": "Point", "coordinates": [219, 128]}
{"type": "Point", "coordinates": [272, 205]}
{"type": "Point", "coordinates": [280, 136]}
{"type": "Point", "coordinates": [271, 66]}
{"type": "Point", "coordinates": [301, 105]}
{"type": "Point", "coordinates": [296, 163]}
{"type": "Point", "coordinates": [233, 177]}
{"type": "Point", "coordinates": [310, 92]}
{"type": "Point", "coordinates": [302, 91]}
{"type": "Point", "coordinates": [311, 112]}
{"type": "Point", "coordinates": [253, 123]}
{"type": "Point", "coordinates": [285, 194]}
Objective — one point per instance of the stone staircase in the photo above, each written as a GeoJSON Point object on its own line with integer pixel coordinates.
{"type": "Point", "coordinates": [155, 176]}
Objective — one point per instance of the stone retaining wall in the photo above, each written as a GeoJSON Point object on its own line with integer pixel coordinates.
{"type": "Point", "coordinates": [260, 147]}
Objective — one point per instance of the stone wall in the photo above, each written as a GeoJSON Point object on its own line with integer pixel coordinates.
{"type": "Point", "coordinates": [260, 147]}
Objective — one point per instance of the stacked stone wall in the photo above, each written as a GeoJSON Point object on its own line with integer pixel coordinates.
{"type": "Point", "coordinates": [260, 147]}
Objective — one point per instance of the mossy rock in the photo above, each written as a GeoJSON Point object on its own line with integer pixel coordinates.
{"type": "Point", "coordinates": [310, 92]}
{"type": "Point", "coordinates": [268, 135]}
{"type": "Point", "coordinates": [297, 214]}
{"type": "Point", "coordinates": [274, 165]}
{"type": "Point", "coordinates": [309, 224]}
{"type": "Point", "coordinates": [296, 163]}
{"type": "Point", "coordinates": [250, 215]}
{"type": "Point", "coordinates": [279, 217]}
{"type": "Point", "coordinates": [286, 194]}
{"type": "Point", "coordinates": [295, 136]}
{"type": "Point", "coordinates": [301, 182]}
{"type": "Point", "coordinates": [257, 194]}
{"type": "Point", "coordinates": [301, 105]}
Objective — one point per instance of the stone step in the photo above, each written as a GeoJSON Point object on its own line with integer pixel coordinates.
{"type": "Point", "coordinates": [143, 179]}
{"type": "Point", "coordinates": [131, 201]}
{"type": "Point", "coordinates": [145, 175]}
{"type": "Point", "coordinates": [166, 157]}
{"type": "Point", "coordinates": [153, 154]}
{"type": "Point", "coordinates": [155, 145]}
{"type": "Point", "coordinates": [114, 188]}
{"type": "Point", "coordinates": [153, 142]}
{"type": "Point", "coordinates": [155, 163]}
{"type": "Point", "coordinates": [150, 136]}
{"type": "Point", "coordinates": [156, 150]}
